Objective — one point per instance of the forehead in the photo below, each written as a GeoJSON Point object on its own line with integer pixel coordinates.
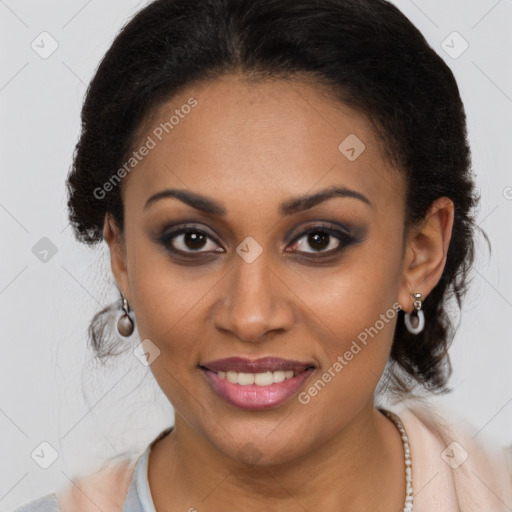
{"type": "Point", "coordinates": [259, 142]}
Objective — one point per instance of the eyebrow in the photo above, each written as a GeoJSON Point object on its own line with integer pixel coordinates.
{"type": "Point", "coordinates": [288, 207]}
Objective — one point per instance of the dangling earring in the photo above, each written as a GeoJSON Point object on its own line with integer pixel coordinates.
{"type": "Point", "coordinates": [415, 321]}
{"type": "Point", "coordinates": [125, 323]}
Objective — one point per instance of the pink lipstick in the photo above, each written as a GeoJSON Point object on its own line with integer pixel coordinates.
{"type": "Point", "coordinates": [255, 384]}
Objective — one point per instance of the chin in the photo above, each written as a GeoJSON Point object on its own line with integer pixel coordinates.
{"type": "Point", "coordinates": [259, 449]}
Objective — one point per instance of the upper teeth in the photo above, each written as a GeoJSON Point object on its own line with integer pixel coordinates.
{"type": "Point", "coordinates": [260, 379]}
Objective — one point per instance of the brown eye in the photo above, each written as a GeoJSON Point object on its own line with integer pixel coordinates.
{"type": "Point", "coordinates": [194, 240]}
{"type": "Point", "coordinates": [189, 240]}
{"type": "Point", "coordinates": [321, 239]}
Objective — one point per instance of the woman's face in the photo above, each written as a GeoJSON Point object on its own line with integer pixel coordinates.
{"type": "Point", "coordinates": [248, 280]}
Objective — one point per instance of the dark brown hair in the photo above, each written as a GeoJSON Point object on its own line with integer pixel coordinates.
{"type": "Point", "coordinates": [365, 51]}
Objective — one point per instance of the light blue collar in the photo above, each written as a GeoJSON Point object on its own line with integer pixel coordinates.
{"type": "Point", "coordinates": [138, 498]}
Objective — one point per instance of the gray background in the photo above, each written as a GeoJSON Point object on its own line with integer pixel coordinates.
{"type": "Point", "coordinates": [51, 391]}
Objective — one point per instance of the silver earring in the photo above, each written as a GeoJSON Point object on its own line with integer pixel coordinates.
{"type": "Point", "coordinates": [125, 323]}
{"type": "Point", "coordinates": [415, 321]}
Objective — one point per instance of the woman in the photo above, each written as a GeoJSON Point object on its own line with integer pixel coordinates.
{"type": "Point", "coordinates": [286, 192]}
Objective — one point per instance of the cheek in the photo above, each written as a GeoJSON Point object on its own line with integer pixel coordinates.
{"type": "Point", "coordinates": [167, 312]}
{"type": "Point", "coordinates": [354, 328]}
{"type": "Point", "coordinates": [358, 291]}
{"type": "Point", "coordinates": [355, 314]}
{"type": "Point", "coordinates": [355, 336]}
{"type": "Point", "coordinates": [166, 299]}
{"type": "Point", "coordinates": [167, 308]}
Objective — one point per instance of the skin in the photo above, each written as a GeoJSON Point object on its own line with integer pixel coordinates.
{"type": "Point", "coordinates": [250, 147]}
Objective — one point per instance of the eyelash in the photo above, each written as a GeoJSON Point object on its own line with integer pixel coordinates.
{"type": "Point", "coordinates": [343, 237]}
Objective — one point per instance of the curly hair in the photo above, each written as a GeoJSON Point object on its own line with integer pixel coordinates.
{"type": "Point", "coordinates": [367, 53]}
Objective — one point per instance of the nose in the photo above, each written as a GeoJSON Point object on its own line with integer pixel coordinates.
{"type": "Point", "coordinates": [256, 303]}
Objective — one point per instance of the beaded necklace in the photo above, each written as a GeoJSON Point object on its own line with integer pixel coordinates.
{"type": "Point", "coordinates": [408, 463]}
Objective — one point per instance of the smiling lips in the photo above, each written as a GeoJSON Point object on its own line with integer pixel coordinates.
{"type": "Point", "coordinates": [256, 384]}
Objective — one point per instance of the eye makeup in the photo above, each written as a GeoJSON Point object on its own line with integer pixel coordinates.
{"type": "Point", "coordinates": [318, 241]}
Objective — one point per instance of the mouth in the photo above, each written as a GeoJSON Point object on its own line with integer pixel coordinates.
{"type": "Point", "coordinates": [259, 379]}
{"type": "Point", "coordinates": [256, 366]}
{"type": "Point", "coordinates": [256, 384]}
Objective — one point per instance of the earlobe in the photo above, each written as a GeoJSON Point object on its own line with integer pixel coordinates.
{"type": "Point", "coordinates": [426, 251]}
{"type": "Point", "coordinates": [117, 249]}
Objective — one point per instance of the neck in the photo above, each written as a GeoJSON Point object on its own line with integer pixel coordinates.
{"type": "Point", "coordinates": [359, 468]}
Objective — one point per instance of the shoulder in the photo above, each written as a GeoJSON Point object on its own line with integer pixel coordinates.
{"type": "Point", "coordinates": [454, 464]}
{"type": "Point", "coordinates": [46, 503]}
{"type": "Point", "coordinates": [104, 489]}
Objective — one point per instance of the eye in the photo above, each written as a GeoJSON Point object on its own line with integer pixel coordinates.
{"type": "Point", "coordinates": [323, 239]}
{"type": "Point", "coordinates": [189, 239]}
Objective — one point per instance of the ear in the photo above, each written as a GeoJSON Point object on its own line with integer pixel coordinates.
{"type": "Point", "coordinates": [426, 249]}
{"type": "Point", "coordinates": [115, 241]}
